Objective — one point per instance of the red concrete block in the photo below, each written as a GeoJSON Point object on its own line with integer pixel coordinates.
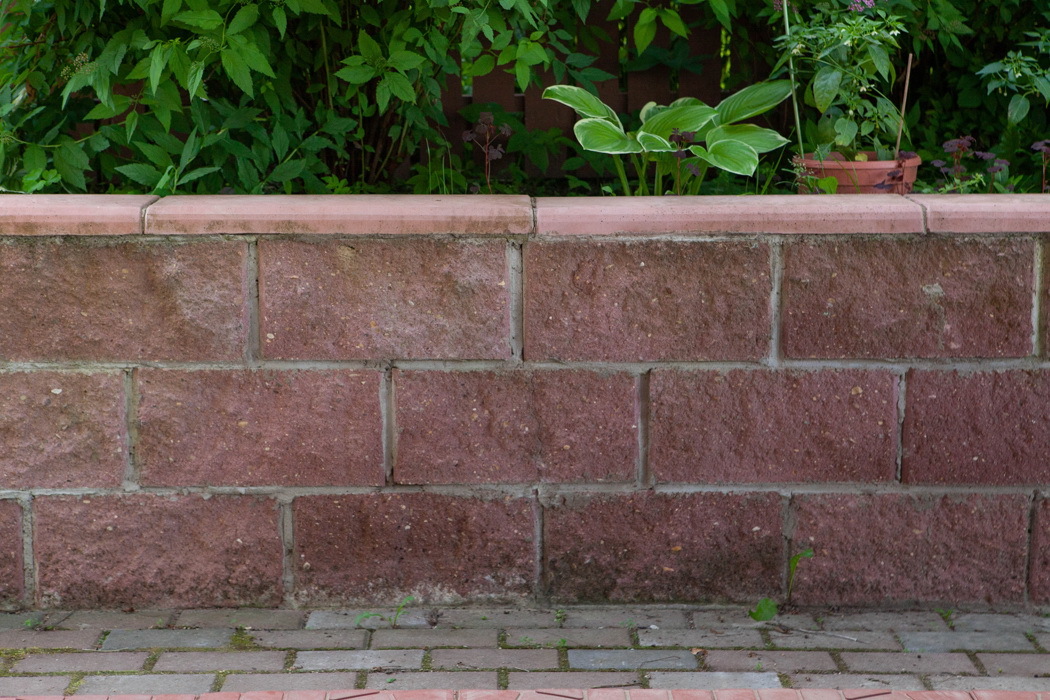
{"type": "Point", "coordinates": [61, 430]}
{"type": "Point", "coordinates": [663, 547]}
{"type": "Point", "coordinates": [692, 694]}
{"type": "Point", "coordinates": [72, 301]}
{"type": "Point", "coordinates": [765, 426]}
{"type": "Point", "coordinates": [980, 428]}
{"type": "Point", "coordinates": [985, 213]}
{"type": "Point", "coordinates": [581, 216]}
{"type": "Point", "coordinates": [516, 427]}
{"type": "Point", "coordinates": [874, 549]}
{"type": "Point", "coordinates": [1040, 567]}
{"type": "Point", "coordinates": [11, 579]}
{"type": "Point", "coordinates": [73, 214]}
{"type": "Point", "coordinates": [378, 548]}
{"type": "Point", "coordinates": [384, 299]}
{"type": "Point", "coordinates": [659, 300]}
{"type": "Point", "coordinates": [161, 551]}
{"type": "Point", "coordinates": [495, 215]}
{"type": "Point", "coordinates": [900, 299]}
{"type": "Point", "coordinates": [242, 428]}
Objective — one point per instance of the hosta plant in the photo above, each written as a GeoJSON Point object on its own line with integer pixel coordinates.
{"type": "Point", "coordinates": [686, 136]}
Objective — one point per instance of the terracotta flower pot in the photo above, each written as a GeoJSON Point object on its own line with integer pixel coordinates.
{"type": "Point", "coordinates": [865, 176]}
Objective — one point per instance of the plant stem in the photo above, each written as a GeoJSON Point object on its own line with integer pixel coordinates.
{"type": "Point", "coordinates": [794, 95]}
{"type": "Point", "coordinates": [623, 175]}
{"type": "Point", "coordinates": [904, 106]}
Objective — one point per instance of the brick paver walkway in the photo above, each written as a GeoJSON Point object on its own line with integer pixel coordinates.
{"type": "Point", "coordinates": [620, 651]}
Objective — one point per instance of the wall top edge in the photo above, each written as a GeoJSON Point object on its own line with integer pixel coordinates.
{"type": "Point", "coordinates": [519, 215]}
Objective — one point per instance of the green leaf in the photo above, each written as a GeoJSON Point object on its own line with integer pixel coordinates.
{"type": "Point", "coordinates": [760, 139]}
{"type": "Point", "coordinates": [722, 12]}
{"type": "Point", "coordinates": [732, 156]}
{"type": "Point", "coordinates": [881, 59]}
{"type": "Point", "coordinates": [34, 158]}
{"type": "Point", "coordinates": [158, 61]}
{"type": "Point", "coordinates": [584, 103]}
{"type": "Point", "coordinates": [482, 65]}
{"type": "Point", "coordinates": [673, 21]}
{"type": "Point", "coordinates": [141, 173]}
{"type": "Point", "coordinates": [1017, 110]}
{"type": "Point", "coordinates": [369, 48]}
{"type": "Point", "coordinates": [193, 80]}
{"type": "Point", "coordinates": [197, 173]}
{"type": "Point", "coordinates": [382, 95]}
{"type": "Point", "coordinates": [655, 144]}
{"type": "Point", "coordinates": [130, 123]}
{"type": "Point", "coordinates": [238, 71]}
{"type": "Point", "coordinates": [356, 75]}
{"type": "Point", "coordinates": [156, 155]}
{"type": "Point", "coordinates": [280, 20]}
{"type": "Point", "coordinates": [280, 142]}
{"type": "Point", "coordinates": [101, 111]}
{"type": "Point", "coordinates": [826, 87]}
{"type": "Point", "coordinates": [645, 29]}
{"type": "Point", "coordinates": [190, 149]}
{"type": "Point", "coordinates": [288, 170]}
{"type": "Point", "coordinates": [602, 136]}
{"type": "Point", "coordinates": [404, 60]}
{"type": "Point", "coordinates": [71, 162]}
{"type": "Point", "coordinates": [682, 117]}
{"type": "Point", "coordinates": [531, 53]}
{"type": "Point", "coordinates": [400, 87]}
{"type": "Point", "coordinates": [245, 17]}
{"type": "Point", "coordinates": [522, 75]}
{"type": "Point", "coordinates": [168, 10]}
{"type": "Point", "coordinates": [765, 610]}
{"type": "Point", "coordinates": [845, 131]}
{"type": "Point", "coordinates": [753, 100]}
{"type": "Point", "coordinates": [252, 56]}
{"type": "Point", "coordinates": [621, 9]}
{"type": "Point", "coordinates": [202, 19]}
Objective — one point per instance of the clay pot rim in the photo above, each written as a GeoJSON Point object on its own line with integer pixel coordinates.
{"type": "Point", "coordinates": [837, 160]}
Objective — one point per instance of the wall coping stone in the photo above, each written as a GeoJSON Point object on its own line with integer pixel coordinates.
{"type": "Point", "coordinates": [519, 215]}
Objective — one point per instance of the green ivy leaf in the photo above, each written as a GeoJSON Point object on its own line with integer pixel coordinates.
{"type": "Point", "coordinates": [252, 56]}
{"type": "Point", "coordinates": [280, 20]}
{"type": "Point", "coordinates": [400, 87]}
{"type": "Point", "coordinates": [202, 19]}
{"type": "Point", "coordinates": [369, 48]}
{"type": "Point", "coordinates": [356, 74]}
{"type": "Point", "coordinates": [168, 10]}
{"type": "Point", "coordinates": [288, 170]}
{"type": "Point", "coordinates": [245, 17]}
{"type": "Point", "coordinates": [141, 173]}
{"type": "Point", "coordinates": [404, 60]}
{"type": "Point", "coordinates": [198, 173]}
{"type": "Point", "coordinates": [238, 70]}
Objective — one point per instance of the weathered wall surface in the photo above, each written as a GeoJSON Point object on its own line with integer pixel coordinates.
{"type": "Point", "coordinates": [210, 401]}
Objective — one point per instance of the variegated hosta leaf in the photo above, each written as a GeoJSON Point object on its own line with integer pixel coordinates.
{"type": "Point", "coordinates": [760, 139]}
{"type": "Point", "coordinates": [585, 104]}
{"type": "Point", "coordinates": [733, 156]}
{"type": "Point", "coordinates": [601, 136]}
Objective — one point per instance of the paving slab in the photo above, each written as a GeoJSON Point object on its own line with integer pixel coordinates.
{"type": "Point", "coordinates": [311, 639]}
{"type": "Point", "coordinates": [485, 680]}
{"type": "Point", "coordinates": [189, 661]}
{"type": "Point", "coordinates": [596, 659]}
{"type": "Point", "coordinates": [849, 681]}
{"type": "Point", "coordinates": [520, 659]}
{"type": "Point", "coordinates": [150, 684]}
{"type": "Point", "coordinates": [251, 618]}
{"type": "Point", "coordinates": [85, 661]}
{"type": "Point", "coordinates": [24, 638]}
{"type": "Point", "coordinates": [20, 621]}
{"type": "Point", "coordinates": [500, 618]}
{"type": "Point", "coordinates": [571, 679]}
{"type": "Point", "coordinates": [152, 639]}
{"type": "Point", "coordinates": [377, 618]}
{"type": "Point", "coordinates": [969, 641]}
{"type": "Point", "coordinates": [776, 661]}
{"type": "Point", "coordinates": [601, 637]}
{"type": "Point", "coordinates": [399, 638]}
{"type": "Point", "coordinates": [712, 680]}
{"type": "Point", "coordinates": [834, 640]}
{"type": "Point", "coordinates": [732, 637]}
{"type": "Point", "coordinates": [1016, 664]}
{"type": "Point", "coordinates": [249, 682]}
{"type": "Point", "coordinates": [880, 662]}
{"type": "Point", "coordinates": [358, 660]}
{"type": "Point", "coordinates": [1006, 683]}
{"type": "Point", "coordinates": [626, 617]}
{"type": "Point", "coordinates": [114, 620]}
{"type": "Point", "coordinates": [990, 622]}
{"type": "Point", "coordinates": [41, 685]}
{"type": "Point", "coordinates": [890, 621]}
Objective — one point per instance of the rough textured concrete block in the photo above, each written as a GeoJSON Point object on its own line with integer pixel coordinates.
{"type": "Point", "coordinates": [517, 427]}
{"type": "Point", "coordinates": [646, 301]}
{"type": "Point", "coordinates": [657, 547]}
{"type": "Point", "coordinates": [61, 430]}
{"type": "Point", "coordinates": [900, 299]}
{"type": "Point", "coordinates": [72, 301]}
{"type": "Point", "coordinates": [980, 428]}
{"type": "Point", "coordinates": [73, 214]}
{"type": "Point", "coordinates": [876, 549]}
{"type": "Point", "coordinates": [764, 426]}
{"type": "Point", "coordinates": [141, 550]}
{"type": "Point", "coordinates": [414, 299]}
{"type": "Point", "coordinates": [1040, 567]}
{"type": "Point", "coordinates": [379, 548]}
{"type": "Point", "coordinates": [246, 428]}
{"type": "Point", "coordinates": [11, 579]}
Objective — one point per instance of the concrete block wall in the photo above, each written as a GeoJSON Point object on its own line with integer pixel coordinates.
{"type": "Point", "coordinates": [284, 401]}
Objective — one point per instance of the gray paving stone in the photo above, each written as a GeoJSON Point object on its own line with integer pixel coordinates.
{"type": "Point", "coordinates": [150, 684]}
{"type": "Point", "coordinates": [40, 685]}
{"type": "Point", "coordinates": [520, 659]}
{"type": "Point", "coordinates": [249, 682]}
{"type": "Point", "coordinates": [712, 680]}
{"type": "Point", "coordinates": [252, 618]}
{"type": "Point", "coordinates": [86, 661]}
{"type": "Point", "coordinates": [848, 639]}
{"type": "Point", "coordinates": [994, 622]}
{"type": "Point", "coordinates": [377, 618]}
{"type": "Point", "coordinates": [626, 617]}
{"type": "Point", "coordinates": [855, 681]}
{"type": "Point", "coordinates": [359, 660]}
{"type": "Point", "coordinates": [429, 680]}
{"type": "Point", "coordinates": [310, 639]}
{"type": "Point", "coordinates": [499, 618]}
{"type": "Point", "coordinates": [607, 637]}
{"type": "Point", "coordinates": [946, 682]}
{"type": "Point", "coordinates": [1016, 664]}
{"type": "Point", "coordinates": [386, 639]}
{"type": "Point", "coordinates": [889, 621]}
{"type": "Point", "coordinates": [22, 639]}
{"type": "Point", "coordinates": [20, 621]}
{"type": "Point", "coordinates": [720, 620]}
{"type": "Point", "coordinates": [572, 679]}
{"type": "Point", "coordinates": [970, 641]}
{"type": "Point", "coordinates": [113, 620]}
{"type": "Point", "coordinates": [731, 637]}
{"type": "Point", "coordinates": [879, 662]}
{"type": "Point", "coordinates": [190, 661]}
{"type": "Point", "coordinates": [776, 661]}
{"type": "Point", "coordinates": [617, 659]}
{"type": "Point", "coordinates": [151, 639]}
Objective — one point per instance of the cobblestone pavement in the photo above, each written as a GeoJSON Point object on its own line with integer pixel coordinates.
{"type": "Point", "coordinates": [617, 649]}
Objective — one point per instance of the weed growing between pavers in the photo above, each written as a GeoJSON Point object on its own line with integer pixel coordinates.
{"type": "Point", "coordinates": [242, 641]}
{"type": "Point", "coordinates": [220, 679]}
